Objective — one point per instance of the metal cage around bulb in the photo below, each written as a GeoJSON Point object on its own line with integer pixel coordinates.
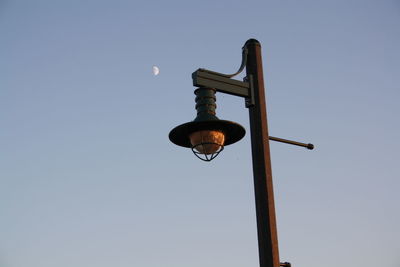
{"type": "Point", "coordinates": [207, 144]}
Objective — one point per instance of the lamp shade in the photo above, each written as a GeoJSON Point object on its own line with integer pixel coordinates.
{"type": "Point", "coordinates": [231, 131]}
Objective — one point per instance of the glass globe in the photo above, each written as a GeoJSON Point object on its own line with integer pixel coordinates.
{"type": "Point", "coordinates": [208, 141]}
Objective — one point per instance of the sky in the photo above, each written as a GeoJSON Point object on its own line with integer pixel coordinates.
{"type": "Point", "coordinates": [88, 176]}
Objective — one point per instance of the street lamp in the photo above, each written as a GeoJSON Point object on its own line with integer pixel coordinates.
{"type": "Point", "coordinates": [207, 135]}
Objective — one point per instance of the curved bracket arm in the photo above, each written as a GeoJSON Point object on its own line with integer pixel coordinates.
{"type": "Point", "coordinates": [241, 68]}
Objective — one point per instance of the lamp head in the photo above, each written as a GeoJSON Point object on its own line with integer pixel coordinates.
{"type": "Point", "coordinates": [206, 135]}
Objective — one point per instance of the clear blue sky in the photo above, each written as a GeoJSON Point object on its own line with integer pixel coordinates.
{"type": "Point", "coordinates": [88, 176]}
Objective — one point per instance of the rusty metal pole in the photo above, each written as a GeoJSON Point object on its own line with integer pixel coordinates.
{"type": "Point", "coordinates": [264, 195]}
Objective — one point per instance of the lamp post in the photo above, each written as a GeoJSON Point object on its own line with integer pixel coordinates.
{"type": "Point", "coordinates": [207, 136]}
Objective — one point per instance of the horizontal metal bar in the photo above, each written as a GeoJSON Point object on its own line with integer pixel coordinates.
{"type": "Point", "coordinates": [211, 79]}
{"type": "Point", "coordinates": [309, 146]}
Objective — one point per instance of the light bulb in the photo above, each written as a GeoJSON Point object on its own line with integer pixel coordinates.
{"type": "Point", "coordinates": [207, 141]}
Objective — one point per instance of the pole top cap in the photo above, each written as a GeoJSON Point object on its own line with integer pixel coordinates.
{"type": "Point", "coordinates": [252, 42]}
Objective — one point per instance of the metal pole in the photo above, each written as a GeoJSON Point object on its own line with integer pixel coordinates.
{"type": "Point", "coordinates": [263, 187]}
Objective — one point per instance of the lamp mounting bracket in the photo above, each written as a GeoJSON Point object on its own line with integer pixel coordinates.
{"type": "Point", "coordinates": [250, 101]}
{"type": "Point", "coordinates": [221, 83]}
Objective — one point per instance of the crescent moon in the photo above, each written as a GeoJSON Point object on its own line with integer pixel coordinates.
{"type": "Point", "coordinates": [156, 70]}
